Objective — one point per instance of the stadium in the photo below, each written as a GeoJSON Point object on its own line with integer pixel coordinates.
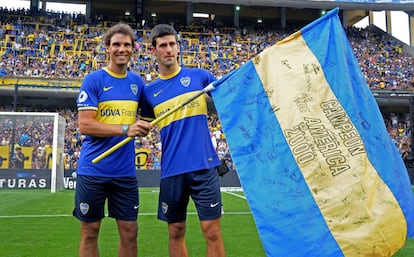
{"type": "Point", "coordinates": [46, 55]}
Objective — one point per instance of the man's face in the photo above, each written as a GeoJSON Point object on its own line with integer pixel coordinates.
{"type": "Point", "coordinates": [120, 49]}
{"type": "Point", "coordinates": [166, 50]}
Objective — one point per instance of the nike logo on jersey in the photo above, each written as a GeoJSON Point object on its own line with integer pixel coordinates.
{"type": "Point", "coordinates": [156, 94]}
{"type": "Point", "coordinates": [107, 88]}
{"type": "Point", "coordinates": [212, 205]}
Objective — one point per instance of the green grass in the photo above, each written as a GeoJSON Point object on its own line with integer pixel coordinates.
{"type": "Point", "coordinates": [37, 223]}
{"type": "Point", "coordinates": [40, 225]}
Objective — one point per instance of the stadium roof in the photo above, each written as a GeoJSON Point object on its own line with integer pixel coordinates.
{"type": "Point", "coordinates": [319, 4]}
{"type": "Point", "coordinates": [399, 5]}
{"type": "Point", "coordinates": [299, 12]}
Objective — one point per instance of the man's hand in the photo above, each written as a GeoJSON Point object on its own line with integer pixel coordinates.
{"type": "Point", "coordinates": [139, 129]}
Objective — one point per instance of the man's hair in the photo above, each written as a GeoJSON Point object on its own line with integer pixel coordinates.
{"type": "Point", "coordinates": [161, 30]}
{"type": "Point", "coordinates": [120, 28]}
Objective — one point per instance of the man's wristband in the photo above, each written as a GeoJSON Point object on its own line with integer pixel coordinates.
{"type": "Point", "coordinates": [125, 129]}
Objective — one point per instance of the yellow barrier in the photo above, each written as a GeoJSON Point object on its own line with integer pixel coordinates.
{"type": "Point", "coordinates": [30, 81]}
{"type": "Point", "coordinates": [4, 154]}
{"type": "Point", "coordinates": [141, 155]}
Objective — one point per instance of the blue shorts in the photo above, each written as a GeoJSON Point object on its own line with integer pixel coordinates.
{"type": "Point", "coordinates": [92, 192]}
{"type": "Point", "coordinates": [204, 188]}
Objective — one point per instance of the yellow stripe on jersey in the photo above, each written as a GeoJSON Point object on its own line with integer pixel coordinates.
{"type": "Point", "coordinates": [170, 75]}
{"type": "Point", "coordinates": [116, 75]}
{"type": "Point", "coordinates": [195, 107]}
{"type": "Point", "coordinates": [86, 108]}
{"type": "Point", "coordinates": [117, 112]}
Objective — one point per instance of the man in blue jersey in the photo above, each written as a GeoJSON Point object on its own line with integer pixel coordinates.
{"type": "Point", "coordinates": [107, 105]}
{"type": "Point", "coordinates": [189, 161]}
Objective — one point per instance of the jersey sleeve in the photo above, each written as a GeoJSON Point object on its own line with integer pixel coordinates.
{"type": "Point", "coordinates": [88, 96]}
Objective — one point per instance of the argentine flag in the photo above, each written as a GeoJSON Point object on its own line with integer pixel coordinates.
{"type": "Point", "coordinates": [315, 161]}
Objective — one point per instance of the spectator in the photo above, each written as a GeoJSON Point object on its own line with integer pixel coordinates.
{"type": "Point", "coordinates": [19, 158]}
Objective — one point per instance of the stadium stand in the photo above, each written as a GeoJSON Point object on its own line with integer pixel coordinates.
{"type": "Point", "coordinates": [54, 51]}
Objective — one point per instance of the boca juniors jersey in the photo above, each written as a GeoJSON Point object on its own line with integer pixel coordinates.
{"type": "Point", "coordinates": [185, 137]}
{"type": "Point", "coordinates": [115, 98]}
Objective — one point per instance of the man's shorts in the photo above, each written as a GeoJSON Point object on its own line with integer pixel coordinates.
{"type": "Point", "coordinates": [92, 192]}
{"type": "Point", "coordinates": [204, 188]}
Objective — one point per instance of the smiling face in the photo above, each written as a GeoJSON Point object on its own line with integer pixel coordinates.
{"type": "Point", "coordinates": [120, 51]}
{"type": "Point", "coordinates": [166, 51]}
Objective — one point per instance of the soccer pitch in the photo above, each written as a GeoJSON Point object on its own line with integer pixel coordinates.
{"type": "Point", "coordinates": [37, 223]}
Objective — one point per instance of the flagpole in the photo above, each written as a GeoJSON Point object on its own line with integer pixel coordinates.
{"type": "Point", "coordinates": [154, 122]}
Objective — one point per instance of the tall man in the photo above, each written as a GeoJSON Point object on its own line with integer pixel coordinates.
{"type": "Point", "coordinates": [189, 160]}
{"type": "Point", "coordinates": [107, 105]}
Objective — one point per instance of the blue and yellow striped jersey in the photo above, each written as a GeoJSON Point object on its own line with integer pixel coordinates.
{"type": "Point", "coordinates": [185, 137]}
{"type": "Point", "coordinates": [115, 98]}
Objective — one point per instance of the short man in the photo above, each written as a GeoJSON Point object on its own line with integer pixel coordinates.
{"type": "Point", "coordinates": [107, 105]}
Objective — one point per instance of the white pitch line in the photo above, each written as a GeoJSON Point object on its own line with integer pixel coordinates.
{"type": "Point", "coordinates": [59, 215]}
{"type": "Point", "coordinates": [237, 195]}
{"type": "Point", "coordinates": [225, 190]}
{"type": "Point", "coordinates": [35, 216]}
{"type": "Point", "coordinates": [69, 215]}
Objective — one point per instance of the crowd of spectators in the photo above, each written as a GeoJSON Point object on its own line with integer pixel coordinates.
{"type": "Point", "coordinates": [382, 59]}
{"type": "Point", "coordinates": [37, 133]}
{"type": "Point", "coordinates": [24, 132]}
{"type": "Point", "coordinates": [58, 45]}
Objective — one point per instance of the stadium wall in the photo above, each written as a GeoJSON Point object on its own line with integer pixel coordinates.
{"type": "Point", "coordinates": [40, 179]}
{"type": "Point", "coordinates": [411, 174]}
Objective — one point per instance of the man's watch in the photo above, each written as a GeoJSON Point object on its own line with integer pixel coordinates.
{"type": "Point", "coordinates": [125, 128]}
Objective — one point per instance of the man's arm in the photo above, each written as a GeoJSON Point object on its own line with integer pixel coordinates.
{"type": "Point", "coordinates": [18, 158]}
{"type": "Point", "coordinates": [88, 125]}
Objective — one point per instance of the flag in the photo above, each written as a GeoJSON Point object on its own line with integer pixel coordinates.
{"type": "Point", "coordinates": [318, 168]}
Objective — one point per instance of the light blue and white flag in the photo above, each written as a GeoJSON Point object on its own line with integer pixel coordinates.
{"type": "Point", "coordinates": [314, 158]}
